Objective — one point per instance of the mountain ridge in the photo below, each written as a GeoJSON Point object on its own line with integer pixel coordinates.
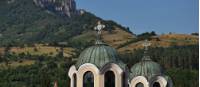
{"type": "Point", "coordinates": [22, 27]}
{"type": "Point", "coordinates": [23, 22]}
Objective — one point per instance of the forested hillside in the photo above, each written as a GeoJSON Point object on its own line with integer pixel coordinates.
{"type": "Point", "coordinates": [182, 57]}
{"type": "Point", "coordinates": [180, 63]}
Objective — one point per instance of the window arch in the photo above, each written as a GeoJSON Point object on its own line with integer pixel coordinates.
{"type": "Point", "coordinates": [75, 80]}
{"type": "Point", "coordinates": [139, 84]}
{"type": "Point", "coordinates": [109, 79]}
{"type": "Point", "coordinates": [156, 84]}
{"type": "Point", "coordinates": [88, 79]}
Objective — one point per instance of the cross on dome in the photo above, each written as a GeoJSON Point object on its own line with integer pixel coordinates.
{"type": "Point", "coordinates": [99, 28]}
{"type": "Point", "coordinates": [146, 44]}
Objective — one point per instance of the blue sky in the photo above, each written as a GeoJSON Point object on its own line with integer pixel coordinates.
{"type": "Point", "coordinates": [162, 16]}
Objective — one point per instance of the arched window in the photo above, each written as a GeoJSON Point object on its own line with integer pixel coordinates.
{"type": "Point", "coordinates": [75, 81]}
{"type": "Point", "coordinates": [124, 80]}
{"type": "Point", "coordinates": [88, 79]}
{"type": "Point", "coordinates": [156, 84]}
{"type": "Point", "coordinates": [167, 84]}
{"type": "Point", "coordinates": [109, 79]}
{"type": "Point", "coordinates": [139, 85]}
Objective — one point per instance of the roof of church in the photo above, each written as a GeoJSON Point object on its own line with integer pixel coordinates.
{"type": "Point", "coordinates": [99, 55]}
{"type": "Point", "coordinates": [146, 67]}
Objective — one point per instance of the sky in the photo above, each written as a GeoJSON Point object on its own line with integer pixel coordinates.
{"type": "Point", "coordinates": [161, 16]}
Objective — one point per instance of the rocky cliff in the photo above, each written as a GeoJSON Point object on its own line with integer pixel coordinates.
{"type": "Point", "coordinates": [61, 7]}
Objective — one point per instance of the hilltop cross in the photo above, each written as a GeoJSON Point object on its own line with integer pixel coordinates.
{"type": "Point", "coordinates": [146, 44]}
{"type": "Point", "coordinates": [99, 28]}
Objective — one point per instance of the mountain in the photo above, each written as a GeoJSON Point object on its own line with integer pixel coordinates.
{"type": "Point", "coordinates": [62, 7]}
{"type": "Point", "coordinates": [28, 22]}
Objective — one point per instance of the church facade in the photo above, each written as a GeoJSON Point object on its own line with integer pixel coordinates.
{"type": "Point", "coordinates": [100, 66]}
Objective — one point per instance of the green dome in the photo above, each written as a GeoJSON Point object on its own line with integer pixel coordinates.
{"type": "Point", "coordinates": [99, 55]}
{"type": "Point", "coordinates": [146, 68]}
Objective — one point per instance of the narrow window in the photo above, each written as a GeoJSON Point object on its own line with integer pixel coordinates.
{"type": "Point", "coordinates": [109, 79]}
{"type": "Point", "coordinates": [167, 84]}
{"type": "Point", "coordinates": [75, 81]}
{"type": "Point", "coordinates": [124, 80]}
{"type": "Point", "coordinates": [156, 84]}
{"type": "Point", "coordinates": [88, 79]}
{"type": "Point", "coordinates": [139, 85]}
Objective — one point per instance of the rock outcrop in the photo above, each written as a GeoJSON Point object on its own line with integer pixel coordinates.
{"type": "Point", "coordinates": [62, 7]}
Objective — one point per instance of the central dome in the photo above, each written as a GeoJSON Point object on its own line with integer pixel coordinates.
{"type": "Point", "coordinates": [99, 55]}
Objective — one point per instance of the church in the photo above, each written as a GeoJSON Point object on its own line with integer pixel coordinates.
{"type": "Point", "coordinates": [100, 66]}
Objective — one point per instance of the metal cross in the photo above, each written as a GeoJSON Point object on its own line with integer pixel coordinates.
{"type": "Point", "coordinates": [146, 44]}
{"type": "Point", "coordinates": [99, 27]}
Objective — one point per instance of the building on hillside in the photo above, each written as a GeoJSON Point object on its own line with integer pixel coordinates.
{"type": "Point", "coordinates": [100, 66]}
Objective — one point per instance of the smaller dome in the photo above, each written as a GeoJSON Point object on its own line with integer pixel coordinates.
{"type": "Point", "coordinates": [146, 68]}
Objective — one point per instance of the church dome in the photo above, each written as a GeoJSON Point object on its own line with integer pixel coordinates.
{"type": "Point", "coordinates": [99, 55]}
{"type": "Point", "coordinates": [146, 68]}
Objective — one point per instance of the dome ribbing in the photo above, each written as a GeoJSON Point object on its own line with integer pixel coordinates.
{"type": "Point", "coordinates": [99, 55]}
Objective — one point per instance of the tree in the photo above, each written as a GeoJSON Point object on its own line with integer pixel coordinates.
{"type": "Point", "coordinates": [195, 34]}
